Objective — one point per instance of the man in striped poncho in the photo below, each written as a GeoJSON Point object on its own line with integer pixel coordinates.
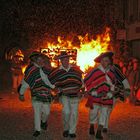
{"type": "Point", "coordinates": [68, 79]}
{"type": "Point", "coordinates": [40, 86]}
{"type": "Point", "coordinates": [100, 84]}
{"type": "Point", "coordinates": [122, 90]}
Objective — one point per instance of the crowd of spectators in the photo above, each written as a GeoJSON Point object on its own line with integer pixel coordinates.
{"type": "Point", "coordinates": [131, 69]}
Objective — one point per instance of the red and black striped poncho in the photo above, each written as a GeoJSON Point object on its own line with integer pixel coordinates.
{"type": "Point", "coordinates": [96, 81]}
{"type": "Point", "coordinates": [39, 90]}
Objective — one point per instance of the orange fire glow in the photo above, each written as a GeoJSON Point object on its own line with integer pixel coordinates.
{"type": "Point", "coordinates": [86, 51]}
{"type": "Point", "coordinates": [89, 50]}
{"type": "Point", "coordinates": [23, 68]}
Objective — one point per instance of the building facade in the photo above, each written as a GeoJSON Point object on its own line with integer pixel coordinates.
{"type": "Point", "coordinates": [132, 25]}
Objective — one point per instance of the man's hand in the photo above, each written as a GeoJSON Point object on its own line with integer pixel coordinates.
{"type": "Point", "coordinates": [82, 90]}
{"type": "Point", "coordinates": [21, 98]}
{"type": "Point", "coordinates": [53, 87]}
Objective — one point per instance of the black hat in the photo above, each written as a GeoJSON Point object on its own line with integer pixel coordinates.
{"type": "Point", "coordinates": [102, 55]}
{"type": "Point", "coordinates": [34, 53]}
{"type": "Point", "coordinates": [63, 55]}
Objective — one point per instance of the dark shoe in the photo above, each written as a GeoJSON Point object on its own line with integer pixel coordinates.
{"type": "Point", "coordinates": [66, 133]}
{"type": "Point", "coordinates": [36, 133]}
{"type": "Point", "coordinates": [91, 130]}
{"type": "Point", "coordinates": [72, 135]}
{"type": "Point", "coordinates": [104, 130]}
{"type": "Point", "coordinates": [44, 125]}
{"type": "Point", "coordinates": [99, 135]}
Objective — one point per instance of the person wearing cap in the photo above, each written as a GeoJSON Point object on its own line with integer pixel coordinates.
{"type": "Point", "coordinates": [100, 84]}
{"type": "Point", "coordinates": [68, 79]}
{"type": "Point", "coordinates": [47, 63]}
{"type": "Point", "coordinates": [40, 86]}
{"type": "Point", "coordinates": [122, 89]}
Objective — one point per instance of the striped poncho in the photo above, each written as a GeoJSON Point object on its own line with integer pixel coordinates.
{"type": "Point", "coordinates": [68, 81]}
{"type": "Point", "coordinates": [97, 81]}
{"type": "Point", "coordinates": [39, 90]}
{"type": "Point", "coordinates": [120, 77]}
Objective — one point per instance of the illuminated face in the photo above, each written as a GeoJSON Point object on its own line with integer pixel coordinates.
{"type": "Point", "coordinates": [47, 63]}
{"type": "Point", "coordinates": [135, 65]}
{"type": "Point", "coordinates": [40, 61]}
{"type": "Point", "coordinates": [130, 65]}
{"type": "Point", "coordinates": [65, 61]}
{"type": "Point", "coordinates": [105, 62]}
{"type": "Point", "coordinates": [121, 64]}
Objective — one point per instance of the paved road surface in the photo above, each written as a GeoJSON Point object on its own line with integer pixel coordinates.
{"type": "Point", "coordinates": [16, 121]}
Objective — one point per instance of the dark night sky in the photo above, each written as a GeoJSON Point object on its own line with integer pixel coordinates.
{"type": "Point", "coordinates": [24, 20]}
{"type": "Point", "coordinates": [61, 16]}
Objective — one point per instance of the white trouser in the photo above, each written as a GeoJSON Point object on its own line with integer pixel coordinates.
{"type": "Point", "coordinates": [109, 113]}
{"type": "Point", "coordinates": [41, 112]}
{"type": "Point", "coordinates": [70, 113]}
{"type": "Point", "coordinates": [98, 114]}
{"type": "Point", "coordinates": [107, 118]}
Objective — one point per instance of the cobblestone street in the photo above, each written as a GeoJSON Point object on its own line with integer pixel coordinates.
{"type": "Point", "coordinates": [16, 121]}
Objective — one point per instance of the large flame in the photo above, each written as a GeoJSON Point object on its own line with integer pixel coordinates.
{"type": "Point", "coordinates": [87, 50]}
